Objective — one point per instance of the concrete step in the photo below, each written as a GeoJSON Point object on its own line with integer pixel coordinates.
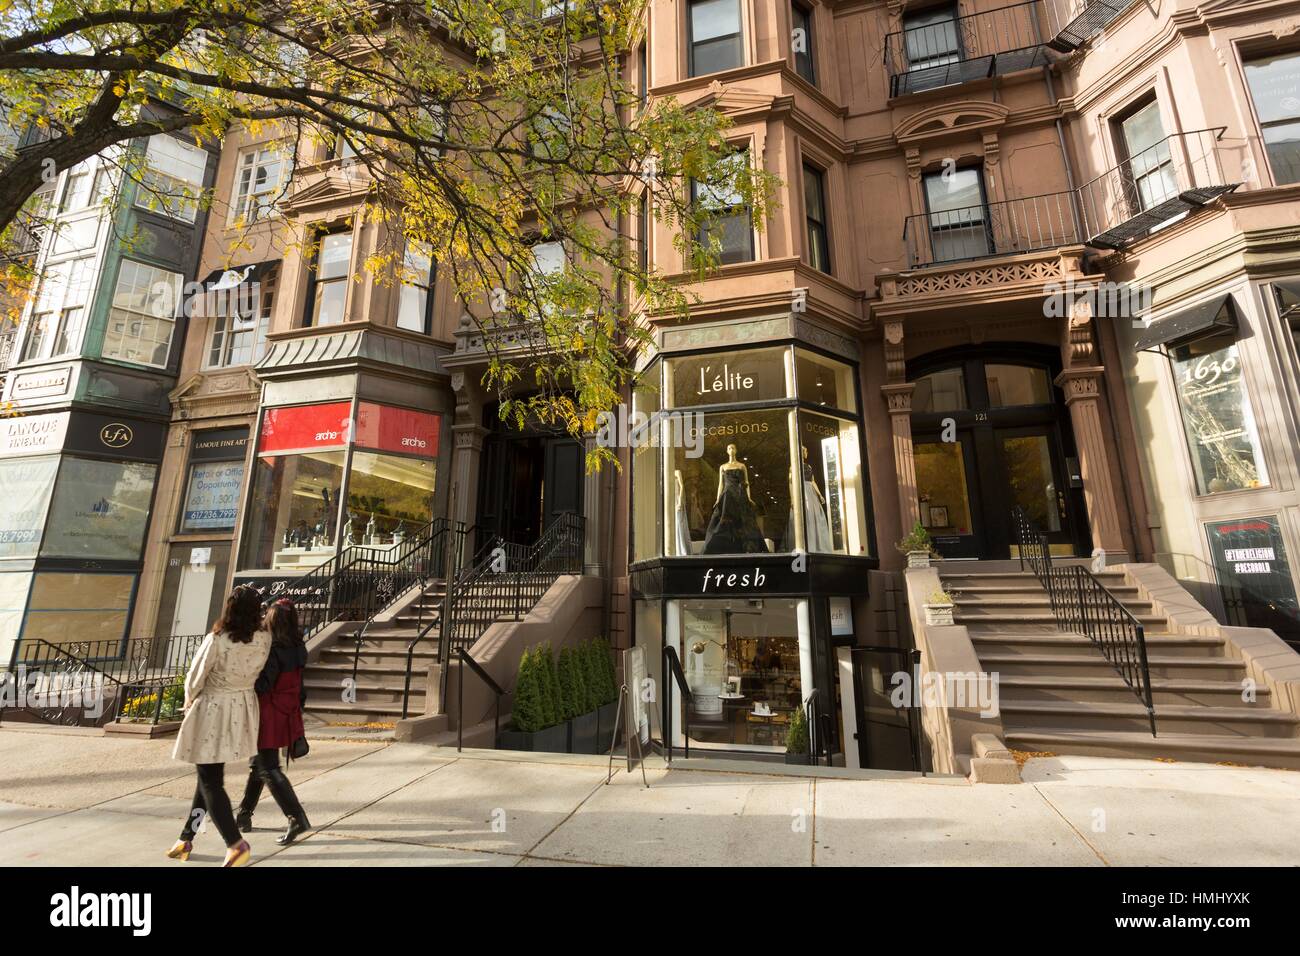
{"type": "Point", "coordinates": [1004, 642]}
{"type": "Point", "coordinates": [1015, 578]}
{"type": "Point", "coordinates": [1092, 716]}
{"type": "Point", "coordinates": [1039, 617]}
{"type": "Point", "coordinates": [367, 695]}
{"type": "Point", "coordinates": [1205, 748]}
{"type": "Point", "coordinates": [1092, 664]}
{"type": "Point", "coordinates": [1112, 689]}
{"type": "Point", "coordinates": [1032, 590]}
{"type": "Point", "coordinates": [972, 606]}
{"type": "Point", "coordinates": [361, 713]}
{"type": "Point", "coordinates": [386, 681]}
{"type": "Point", "coordinates": [373, 655]}
{"type": "Point", "coordinates": [344, 669]}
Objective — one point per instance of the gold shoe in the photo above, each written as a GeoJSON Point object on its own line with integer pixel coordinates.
{"type": "Point", "coordinates": [180, 851]}
{"type": "Point", "coordinates": [241, 854]}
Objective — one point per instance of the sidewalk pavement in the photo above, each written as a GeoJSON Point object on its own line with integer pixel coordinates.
{"type": "Point", "coordinates": [77, 799]}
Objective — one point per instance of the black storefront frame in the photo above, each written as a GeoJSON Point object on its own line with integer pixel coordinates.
{"type": "Point", "coordinates": [663, 578]}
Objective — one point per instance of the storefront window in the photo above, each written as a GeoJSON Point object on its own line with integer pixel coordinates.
{"type": "Point", "coordinates": [832, 485]}
{"type": "Point", "coordinates": [725, 378]}
{"type": "Point", "coordinates": [78, 607]}
{"type": "Point", "coordinates": [293, 523]}
{"type": "Point", "coordinates": [945, 497]}
{"type": "Point", "coordinates": [825, 381]}
{"type": "Point", "coordinates": [13, 601]}
{"type": "Point", "coordinates": [737, 497]}
{"type": "Point", "coordinates": [1217, 416]}
{"type": "Point", "coordinates": [744, 663]}
{"type": "Point", "coordinates": [1255, 576]}
{"type": "Point", "coordinates": [100, 510]}
{"type": "Point", "coordinates": [212, 495]}
{"type": "Point", "coordinates": [388, 497]}
{"type": "Point", "coordinates": [27, 484]}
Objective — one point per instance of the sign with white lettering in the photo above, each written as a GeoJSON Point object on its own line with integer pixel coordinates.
{"type": "Point", "coordinates": [33, 434]}
{"type": "Point", "coordinates": [1254, 575]}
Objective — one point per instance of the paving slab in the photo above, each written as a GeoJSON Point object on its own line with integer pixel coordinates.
{"type": "Point", "coordinates": [324, 757]}
{"type": "Point", "coordinates": [352, 786]}
{"type": "Point", "coordinates": [329, 849]}
{"type": "Point", "coordinates": [1143, 826]}
{"type": "Point", "coordinates": [16, 815]}
{"type": "Point", "coordinates": [494, 805]}
{"type": "Point", "coordinates": [690, 818]}
{"type": "Point", "coordinates": [1163, 775]}
{"type": "Point", "coordinates": [76, 770]}
{"type": "Point", "coordinates": [883, 823]}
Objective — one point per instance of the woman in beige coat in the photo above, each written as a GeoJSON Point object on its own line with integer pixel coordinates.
{"type": "Point", "coordinates": [221, 717]}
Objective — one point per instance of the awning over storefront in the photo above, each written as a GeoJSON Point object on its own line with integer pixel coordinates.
{"type": "Point", "coordinates": [1288, 299]}
{"type": "Point", "coordinates": [219, 280]}
{"type": "Point", "coordinates": [1199, 321]}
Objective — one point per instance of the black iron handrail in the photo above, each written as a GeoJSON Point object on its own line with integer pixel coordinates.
{"type": "Point", "coordinates": [507, 581]}
{"type": "Point", "coordinates": [673, 669]}
{"type": "Point", "coordinates": [390, 575]}
{"type": "Point", "coordinates": [1003, 228]}
{"type": "Point", "coordinates": [1082, 605]}
{"type": "Point", "coordinates": [1152, 182]}
{"type": "Point", "coordinates": [466, 661]}
{"type": "Point", "coordinates": [965, 48]}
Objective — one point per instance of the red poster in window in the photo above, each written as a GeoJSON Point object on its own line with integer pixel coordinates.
{"type": "Point", "coordinates": [305, 428]}
{"type": "Point", "coordinates": [385, 428]}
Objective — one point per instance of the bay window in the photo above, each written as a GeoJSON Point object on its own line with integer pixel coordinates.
{"type": "Point", "coordinates": [142, 317]}
{"type": "Point", "coordinates": [173, 177]}
{"type": "Point", "coordinates": [1275, 88]}
{"type": "Point", "coordinates": [328, 286]}
{"type": "Point", "coordinates": [239, 334]}
{"type": "Point", "coordinates": [258, 181]}
{"type": "Point", "coordinates": [715, 36]}
{"type": "Point", "coordinates": [415, 298]}
{"type": "Point", "coordinates": [728, 225]}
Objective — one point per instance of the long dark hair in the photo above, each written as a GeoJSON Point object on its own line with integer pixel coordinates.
{"type": "Point", "coordinates": [282, 621]}
{"type": "Point", "coordinates": [242, 615]}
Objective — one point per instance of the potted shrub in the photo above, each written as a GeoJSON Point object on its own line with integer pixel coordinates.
{"type": "Point", "coordinates": [534, 726]}
{"type": "Point", "coordinates": [796, 738]}
{"type": "Point", "coordinates": [938, 609]}
{"type": "Point", "coordinates": [584, 722]}
{"type": "Point", "coordinates": [918, 547]}
{"type": "Point", "coordinates": [605, 678]}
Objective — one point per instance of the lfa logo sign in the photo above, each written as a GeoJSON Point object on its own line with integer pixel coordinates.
{"type": "Point", "coordinates": [116, 435]}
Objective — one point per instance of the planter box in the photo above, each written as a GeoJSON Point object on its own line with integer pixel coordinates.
{"type": "Point", "coordinates": [918, 559]}
{"type": "Point", "coordinates": [585, 733]}
{"type": "Point", "coordinates": [605, 734]}
{"type": "Point", "coordinates": [938, 614]}
{"type": "Point", "coordinates": [553, 740]}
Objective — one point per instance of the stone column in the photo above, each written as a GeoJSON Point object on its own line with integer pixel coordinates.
{"type": "Point", "coordinates": [593, 513]}
{"type": "Point", "coordinates": [1082, 387]}
{"type": "Point", "coordinates": [899, 399]}
{"type": "Point", "coordinates": [467, 449]}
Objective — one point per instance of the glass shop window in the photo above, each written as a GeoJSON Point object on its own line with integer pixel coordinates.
{"type": "Point", "coordinates": [294, 523]}
{"type": "Point", "coordinates": [99, 510]}
{"type": "Point", "coordinates": [647, 514]}
{"type": "Point", "coordinates": [942, 391]}
{"type": "Point", "coordinates": [1017, 385]}
{"type": "Point", "coordinates": [1218, 419]}
{"type": "Point", "coordinates": [825, 381]}
{"type": "Point", "coordinates": [831, 478]}
{"type": "Point", "coordinates": [737, 496]}
{"type": "Point", "coordinates": [389, 496]}
{"type": "Point", "coordinates": [27, 484]}
{"type": "Point", "coordinates": [742, 664]}
{"type": "Point", "coordinates": [66, 607]}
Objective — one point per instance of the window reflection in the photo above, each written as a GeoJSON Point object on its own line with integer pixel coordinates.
{"type": "Point", "coordinates": [1017, 385]}
{"type": "Point", "coordinates": [942, 391]}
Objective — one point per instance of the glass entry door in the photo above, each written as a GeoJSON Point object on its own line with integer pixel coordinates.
{"type": "Point", "coordinates": [988, 434]}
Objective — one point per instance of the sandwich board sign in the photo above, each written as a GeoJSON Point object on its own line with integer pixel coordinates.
{"type": "Point", "coordinates": [634, 700]}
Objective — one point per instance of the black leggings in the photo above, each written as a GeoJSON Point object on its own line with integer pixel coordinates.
{"type": "Point", "coordinates": [210, 799]}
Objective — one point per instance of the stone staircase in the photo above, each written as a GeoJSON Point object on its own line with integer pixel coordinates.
{"type": "Point", "coordinates": [1059, 694]}
{"type": "Point", "coordinates": [381, 667]}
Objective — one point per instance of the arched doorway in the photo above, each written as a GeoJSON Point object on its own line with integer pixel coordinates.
{"type": "Point", "coordinates": [990, 431]}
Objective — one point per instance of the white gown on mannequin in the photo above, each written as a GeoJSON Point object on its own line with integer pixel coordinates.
{"type": "Point", "coordinates": [817, 532]}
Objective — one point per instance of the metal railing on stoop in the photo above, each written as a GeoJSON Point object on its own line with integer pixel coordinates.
{"type": "Point", "coordinates": [1082, 605]}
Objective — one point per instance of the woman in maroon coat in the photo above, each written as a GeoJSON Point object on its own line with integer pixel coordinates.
{"type": "Point", "coordinates": [280, 698]}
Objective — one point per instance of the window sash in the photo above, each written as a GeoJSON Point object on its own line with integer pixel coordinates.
{"type": "Point", "coordinates": [142, 316]}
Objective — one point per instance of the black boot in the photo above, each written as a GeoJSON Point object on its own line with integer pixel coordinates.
{"type": "Point", "coordinates": [252, 793]}
{"type": "Point", "coordinates": [288, 803]}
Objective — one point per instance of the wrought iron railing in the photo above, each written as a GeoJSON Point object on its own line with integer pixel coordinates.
{"type": "Point", "coordinates": [392, 573]}
{"type": "Point", "coordinates": [675, 680]}
{"type": "Point", "coordinates": [991, 229]}
{"type": "Point", "coordinates": [966, 48]}
{"type": "Point", "coordinates": [1074, 22]}
{"type": "Point", "coordinates": [818, 722]}
{"type": "Point", "coordinates": [504, 584]}
{"type": "Point", "coordinates": [1157, 185]}
{"type": "Point", "coordinates": [1081, 605]}
{"type": "Point", "coordinates": [363, 580]}
{"type": "Point", "coordinates": [467, 662]}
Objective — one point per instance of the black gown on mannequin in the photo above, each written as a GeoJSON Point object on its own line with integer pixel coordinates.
{"type": "Point", "coordinates": [733, 527]}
